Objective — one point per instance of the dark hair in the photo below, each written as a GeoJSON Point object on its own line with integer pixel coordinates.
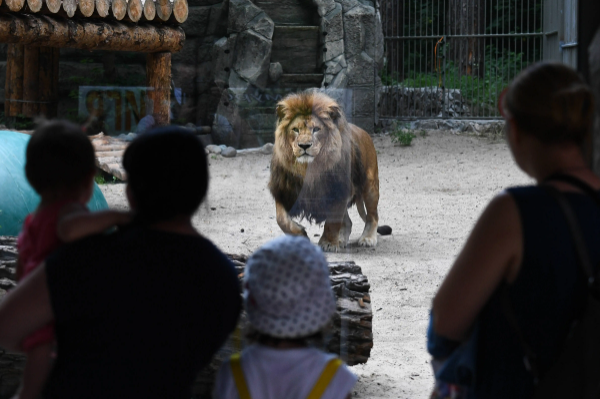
{"type": "Point", "coordinates": [59, 156]}
{"type": "Point", "coordinates": [167, 173]}
{"type": "Point", "coordinates": [551, 102]}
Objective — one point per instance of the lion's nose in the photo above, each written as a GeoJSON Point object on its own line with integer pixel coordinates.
{"type": "Point", "coordinates": [305, 146]}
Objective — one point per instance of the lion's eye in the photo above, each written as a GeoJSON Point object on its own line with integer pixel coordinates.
{"type": "Point", "coordinates": [295, 130]}
{"type": "Point", "coordinates": [316, 129]}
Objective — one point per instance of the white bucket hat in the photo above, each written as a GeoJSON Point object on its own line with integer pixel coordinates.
{"type": "Point", "coordinates": [287, 288]}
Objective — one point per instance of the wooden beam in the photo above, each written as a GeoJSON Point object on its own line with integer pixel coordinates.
{"type": "Point", "coordinates": [15, 58]}
{"type": "Point", "coordinates": [48, 95]}
{"type": "Point", "coordinates": [158, 78]}
{"type": "Point", "coordinates": [31, 78]}
{"type": "Point", "coordinates": [54, 31]}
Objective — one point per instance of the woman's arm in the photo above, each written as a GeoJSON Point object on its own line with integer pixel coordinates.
{"type": "Point", "coordinates": [491, 254]}
{"type": "Point", "coordinates": [76, 222]}
{"type": "Point", "coordinates": [25, 309]}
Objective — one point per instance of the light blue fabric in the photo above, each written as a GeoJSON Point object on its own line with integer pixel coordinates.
{"type": "Point", "coordinates": [17, 197]}
{"type": "Point", "coordinates": [460, 358]}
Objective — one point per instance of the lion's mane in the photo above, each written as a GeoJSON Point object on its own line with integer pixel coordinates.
{"type": "Point", "coordinates": [309, 191]}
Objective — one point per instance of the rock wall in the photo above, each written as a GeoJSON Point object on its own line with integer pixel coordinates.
{"type": "Point", "coordinates": [423, 102]}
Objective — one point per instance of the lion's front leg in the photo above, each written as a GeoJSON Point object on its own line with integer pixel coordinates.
{"type": "Point", "coordinates": [369, 235]}
{"type": "Point", "coordinates": [334, 230]}
{"type": "Point", "coordinates": [285, 222]}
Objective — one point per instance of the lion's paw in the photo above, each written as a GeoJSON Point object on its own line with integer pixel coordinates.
{"type": "Point", "coordinates": [329, 246]}
{"type": "Point", "coordinates": [367, 241]}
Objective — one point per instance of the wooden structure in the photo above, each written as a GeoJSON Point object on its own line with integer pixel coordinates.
{"type": "Point", "coordinates": [351, 334]}
{"type": "Point", "coordinates": [37, 29]}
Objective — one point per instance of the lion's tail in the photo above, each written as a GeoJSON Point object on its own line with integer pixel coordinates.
{"type": "Point", "coordinates": [360, 207]}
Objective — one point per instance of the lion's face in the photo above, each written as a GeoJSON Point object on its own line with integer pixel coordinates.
{"type": "Point", "coordinates": [306, 137]}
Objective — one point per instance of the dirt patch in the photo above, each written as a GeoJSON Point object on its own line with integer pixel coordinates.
{"type": "Point", "coordinates": [431, 194]}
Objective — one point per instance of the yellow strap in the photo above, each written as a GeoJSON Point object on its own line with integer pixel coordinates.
{"type": "Point", "coordinates": [325, 378]}
{"type": "Point", "coordinates": [238, 377]}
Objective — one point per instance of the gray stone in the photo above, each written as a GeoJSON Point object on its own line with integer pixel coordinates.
{"type": "Point", "coordinates": [197, 21]}
{"type": "Point", "coordinates": [334, 50]}
{"type": "Point", "coordinates": [229, 152]}
{"type": "Point", "coordinates": [324, 6]}
{"type": "Point", "coordinates": [188, 55]}
{"type": "Point", "coordinates": [335, 65]}
{"type": "Point", "coordinates": [199, 3]}
{"type": "Point", "coordinates": [349, 4]}
{"type": "Point", "coordinates": [217, 22]}
{"type": "Point", "coordinates": [146, 123]}
{"type": "Point", "coordinates": [267, 149]}
{"type": "Point", "coordinates": [422, 102]}
{"type": "Point", "coordinates": [262, 25]}
{"type": "Point", "coordinates": [253, 55]}
{"type": "Point", "coordinates": [333, 24]}
{"type": "Point", "coordinates": [356, 23]}
{"type": "Point", "coordinates": [366, 123]}
{"type": "Point", "coordinates": [238, 84]}
{"type": "Point", "coordinates": [214, 149]}
{"type": "Point", "coordinates": [341, 80]}
{"type": "Point", "coordinates": [374, 37]}
{"type": "Point", "coordinates": [361, 70]}
{"type": "Point", "coordinates": [222, 55]}
{"type": "Point", "coordinates": [364, 101]}
{"type": "Point", "coordinates": [241, 12]}
{"type": "Point", "coordinates": [275, 71]}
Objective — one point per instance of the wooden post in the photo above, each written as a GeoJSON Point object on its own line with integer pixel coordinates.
{"type": "Point", "coordinates": [14, 69]}
{"type": "Point", "coordinates": [31, 78]}
{"type": "Point", "coordinates": [158, 79]}
{"type": "Point", "coordinates": [48, 81]}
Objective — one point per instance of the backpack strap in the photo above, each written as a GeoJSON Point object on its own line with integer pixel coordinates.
{"type": "Point", "coordinates": [238, 376]}
{"type": "Point", "coordinates": [326, 376]}
{"type": "Point", "coordinates": [578, 183]}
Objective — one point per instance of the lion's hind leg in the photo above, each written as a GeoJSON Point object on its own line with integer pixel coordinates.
{"type": "Point", "coordinates": [345, 230]}
{"type": "Point", "coordinates": [369, 235]}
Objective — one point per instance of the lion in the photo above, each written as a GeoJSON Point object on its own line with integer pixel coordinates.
{"type": "Point", "coordinates": [321, 166]}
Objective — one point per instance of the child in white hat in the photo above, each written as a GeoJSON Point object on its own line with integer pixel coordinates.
{"type": "Point", "coordinates": [289, 302]}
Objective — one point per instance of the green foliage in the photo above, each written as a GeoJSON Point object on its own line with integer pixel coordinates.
{"type": "Point", "coordinates": [104, 178]}
{"type": "Point", "coordinates": [401, 134]}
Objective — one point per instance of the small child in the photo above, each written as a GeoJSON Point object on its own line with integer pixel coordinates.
{"type": "Point", "coordinates": [289, 302]}
{"type": "Point", "coordinates": [60, 167]}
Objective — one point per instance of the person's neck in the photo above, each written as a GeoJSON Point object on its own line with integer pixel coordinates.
{"type": "Point", "coordinates": [51, 197]}
{"type": "Point", "coordinates": [178, 225]}
{"type": "Point", "coordinates": [553, 160]}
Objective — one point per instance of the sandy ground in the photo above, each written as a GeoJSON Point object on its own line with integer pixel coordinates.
{"type": "Point", "coordinates": [431, 195]}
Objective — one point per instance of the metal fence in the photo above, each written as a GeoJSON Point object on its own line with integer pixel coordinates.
{"type": "Point", "coordinates": [452, 58]}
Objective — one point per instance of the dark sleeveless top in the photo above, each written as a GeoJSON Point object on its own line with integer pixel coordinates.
{"type": "Point", "coordinates": [546, 296]}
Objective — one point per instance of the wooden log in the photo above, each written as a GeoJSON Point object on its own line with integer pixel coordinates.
{"type": "Point", "coordinates": [158, 80]}
{"type": "Point", "coordinates": [54, 31]}
{"type": "Point", "coordinates": [135, 9]}
{"type": "Point", "coordinates": [53, 5]}
{"type": "Point", "coordinates": [180, 10]}
{"type": "Point", "coordinates": [102, 7]}
{"type": "Point", "coordinates": [15, 57]}
{"type": "Point", "coordinates": [70, 6]}
{"type": "Point", "coordinates": [48, 77]}
{"type": "Point", "coordinates": [86, 7]}
{"type": "Point", "coordinates": [118, 9]}
{"type": "Point", "coordinates": [15, 5]}
{"type": "Point", "coordinates": [31, 78]}
{"type": "Point", "coordinates": [164, 8]}
{"type": "Point", "coordinates": [35, 5]}
{"type": "Point", "coordinates": [149, 10]}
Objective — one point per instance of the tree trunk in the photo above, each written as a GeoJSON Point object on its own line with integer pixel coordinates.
{"type": "Point", "coordinates": [102, 7]}
{"type": "Point", "coordinates": [15, 5]}
{"type": "Point", "coordinates": [35, 5]}
{"type": "Point", "coordinates": [466, 17]}
{"type": "Point", "coordinates": [70, 6]}
{"type": "Point", "coordinates": [89, 34]}
{"type": "Point", "coordinates": [118, 8]}
{"type": "Point", "coordinates": [180, 10]}
{"type": "Point", "coordinates": [53, 6]}
{"type": "Point", "coordinates": [158, 78]}
{"type": "Point", "coordinates": [86, 7]}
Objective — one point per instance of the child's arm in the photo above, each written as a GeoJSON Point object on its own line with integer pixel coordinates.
{"type": "Point", "coordinates": [76, 222]}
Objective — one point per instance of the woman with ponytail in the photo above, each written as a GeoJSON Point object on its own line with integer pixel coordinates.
{"type": "Point", "coordinates": [518, 279]}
